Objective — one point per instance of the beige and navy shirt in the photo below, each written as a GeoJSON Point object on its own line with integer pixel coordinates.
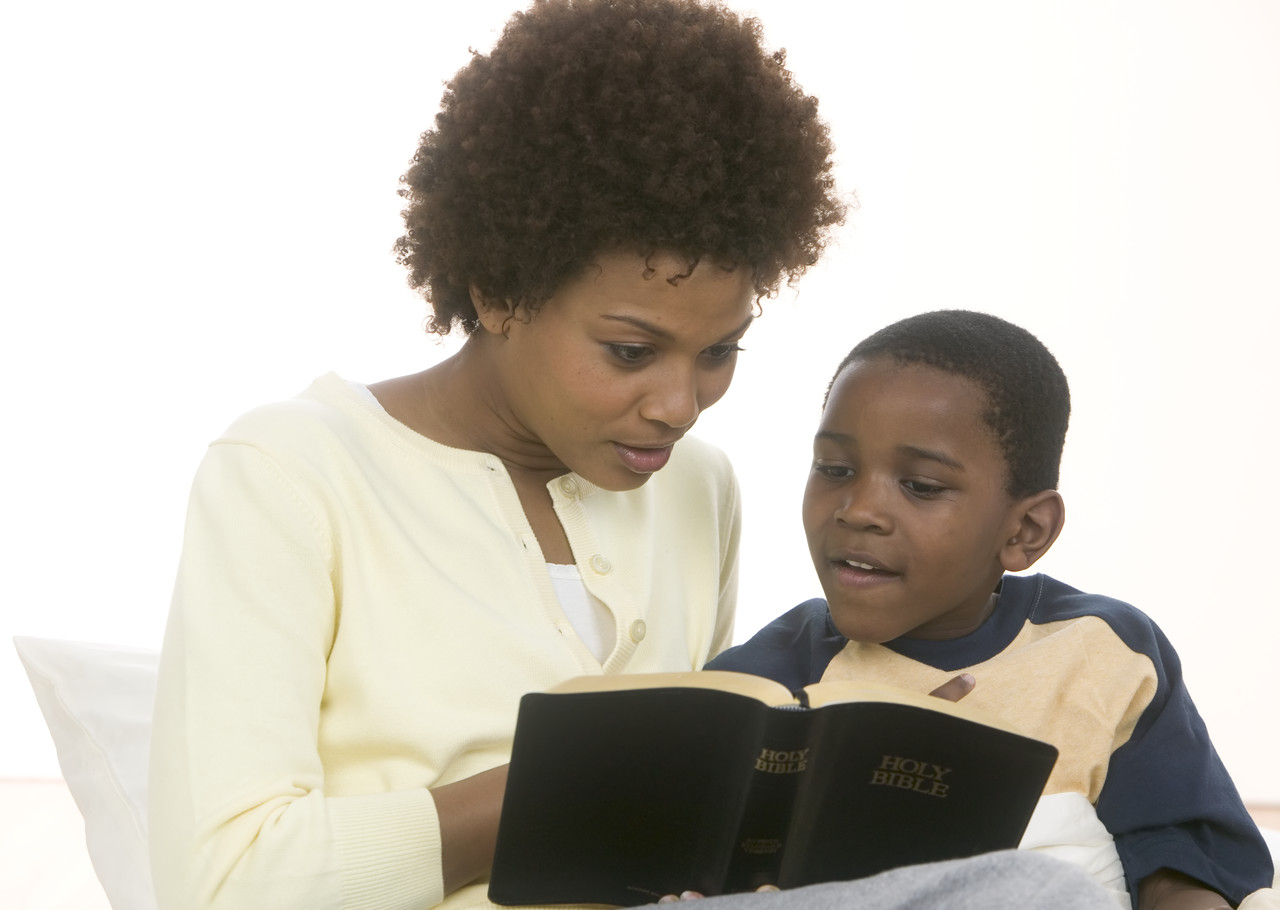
{"type": "Point", "coordinates": [1138, 785]}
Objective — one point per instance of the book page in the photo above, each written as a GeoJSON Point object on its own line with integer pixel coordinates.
{"type": "Point", "coordinates": [761, 689]}
{"type": "Point", "coordinates": [768, 692]}
{"type": "Point", "coordinates": [838, 691]}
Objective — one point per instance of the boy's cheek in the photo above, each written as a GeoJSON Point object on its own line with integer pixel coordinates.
{"type": "Point", "coordinates": [811, 511]}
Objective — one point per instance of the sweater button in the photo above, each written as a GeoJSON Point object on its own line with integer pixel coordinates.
{"type": "Point", "coordinates": [569, 487]}
{"type": "Point", "coordinates": [601, 565]}
{"type": "Point", "coordinates": [638, 631]}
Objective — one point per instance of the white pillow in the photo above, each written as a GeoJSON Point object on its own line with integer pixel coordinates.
{"type": "Point", "coordinates": [97, 701]}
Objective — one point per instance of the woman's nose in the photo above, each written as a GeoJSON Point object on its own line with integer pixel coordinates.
{"type": "Point", "coordinates": [674, 399]}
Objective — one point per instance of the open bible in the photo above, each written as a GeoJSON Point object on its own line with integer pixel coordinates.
{"type": "Point", "coordinates": [625, 788]}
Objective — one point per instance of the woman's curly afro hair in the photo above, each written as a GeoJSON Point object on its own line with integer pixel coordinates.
{"type": "Point", "coordinates": [614, 125]}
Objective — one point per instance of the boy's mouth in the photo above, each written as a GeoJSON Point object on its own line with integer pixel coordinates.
{"type": "Point", "coordinates": [861, 565]}
{"type": "Point", "coordinates": [861, 568]}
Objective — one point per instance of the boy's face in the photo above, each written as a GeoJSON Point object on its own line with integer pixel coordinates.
{"type": "Point", "coordinates": [905, 509]}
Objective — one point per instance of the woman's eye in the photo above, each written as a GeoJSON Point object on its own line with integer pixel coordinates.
{"type": "Point", "coordinates": [722, 351]}
{"type": "Point", "coordinates": [629, 353]}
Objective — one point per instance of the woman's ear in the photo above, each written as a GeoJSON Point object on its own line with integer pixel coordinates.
{"type": "Point", "coordinates": [1036, 522]}
{"type": "Point", "coordinates": [494, 315]}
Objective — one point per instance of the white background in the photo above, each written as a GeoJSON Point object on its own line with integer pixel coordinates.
{"type": "Point", "coordinates": [197, 205]}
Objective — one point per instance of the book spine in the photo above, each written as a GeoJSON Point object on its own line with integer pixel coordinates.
{"type": "Point", "coordinates": [780, 765]}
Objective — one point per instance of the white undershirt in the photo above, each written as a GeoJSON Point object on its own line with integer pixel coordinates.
{"type": "Point", "coordinates": [587, 614]}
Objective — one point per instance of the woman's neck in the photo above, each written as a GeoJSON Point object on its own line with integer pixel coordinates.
{"type": "Point", "coordinates": [461, 403]}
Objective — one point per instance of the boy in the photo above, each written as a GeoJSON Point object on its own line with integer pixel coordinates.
{"type": "Point", "coordinates": [934, 473]}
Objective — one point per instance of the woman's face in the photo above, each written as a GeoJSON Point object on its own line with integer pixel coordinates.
{"type": "Point", "coordinates": [616, 367]}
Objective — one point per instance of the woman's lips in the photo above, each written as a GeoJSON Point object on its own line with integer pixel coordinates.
{"type": "Point", "coordinates": [643, 460]}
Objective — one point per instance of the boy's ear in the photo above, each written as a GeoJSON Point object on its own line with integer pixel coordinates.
{"type": "Point", "coordinates": [1036, 522]}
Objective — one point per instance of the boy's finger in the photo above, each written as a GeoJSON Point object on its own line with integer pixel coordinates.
{"type": "Point", "coordinates": [955, 689]}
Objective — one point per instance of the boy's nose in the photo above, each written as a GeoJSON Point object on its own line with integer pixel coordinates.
{"type": "Point", "coordinates": [863, 508]}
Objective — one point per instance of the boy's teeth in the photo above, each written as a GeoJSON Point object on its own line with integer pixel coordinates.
{"type": "Point", "coordinates": [859, 565]}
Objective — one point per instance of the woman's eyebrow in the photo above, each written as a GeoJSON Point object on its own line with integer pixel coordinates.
{"type": "Point", "coordinates": [641, 324]}
{"type": "Point", "coordinates": [659, 332]}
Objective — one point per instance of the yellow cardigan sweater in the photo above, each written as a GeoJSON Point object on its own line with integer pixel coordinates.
{"type": "Point", "coordinates": [357, 612]}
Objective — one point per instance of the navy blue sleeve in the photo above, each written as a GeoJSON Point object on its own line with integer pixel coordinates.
{"type": "Point", "coordinates": [1168, 800]}
{"type": "Point", "coordinates": [793, 650]}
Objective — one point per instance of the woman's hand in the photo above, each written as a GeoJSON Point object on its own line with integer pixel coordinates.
{"type": "Point", "coordinates": [468, 810]}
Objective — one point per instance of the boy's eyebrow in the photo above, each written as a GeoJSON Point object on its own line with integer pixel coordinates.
{"type": "Point", "coordinates": [932, 455]}
{"type": "Point", "coordinates": [659, 332]}
{"type": "Point", "coordinates": [911, 451]}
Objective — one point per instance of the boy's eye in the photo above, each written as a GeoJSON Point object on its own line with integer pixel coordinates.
{"type": "Point", "coordinates": [920, 488]}
{"type": "Point", "coordinates": [833, 471]}
{"type": "Point", "coordinates": [628, 353]}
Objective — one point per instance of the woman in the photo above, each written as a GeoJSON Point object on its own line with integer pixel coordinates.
{"type": "Point", "coordinates": [372, 576]}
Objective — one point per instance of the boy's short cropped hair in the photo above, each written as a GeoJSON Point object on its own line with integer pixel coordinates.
{"type": "Point", "coordinates": [1028, 403]}
{"type": "Point", "coordinates": [598, 126]}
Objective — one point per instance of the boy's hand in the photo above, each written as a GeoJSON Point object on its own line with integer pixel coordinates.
{"type": "Point", "coordinates": [1169, 890]}
{"type": "Point", "coordinates": [955, 689]}
{"type": "Point", "coordinates": [694, 895]}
